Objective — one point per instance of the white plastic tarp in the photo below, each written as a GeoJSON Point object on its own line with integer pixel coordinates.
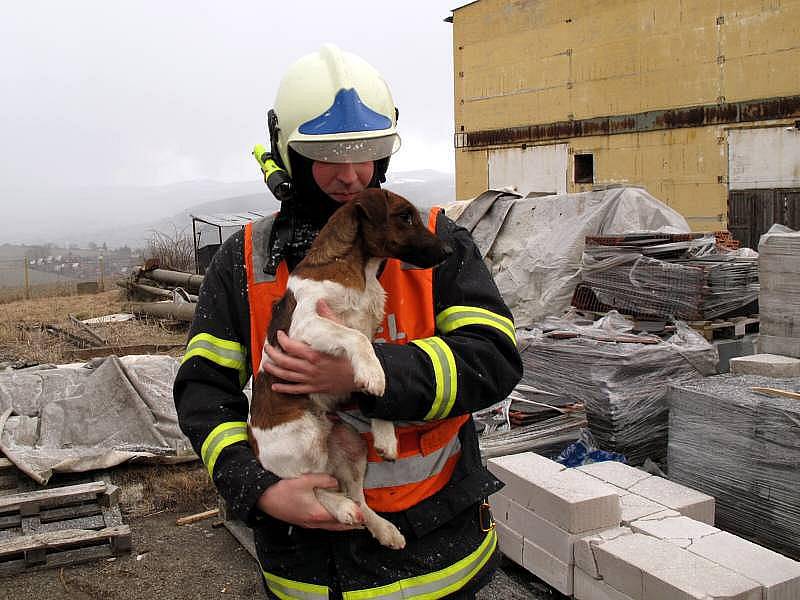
{"type": "Point", "coordinates": [533, 246]}
{"type": "Point", "coordinates": [93, 416]}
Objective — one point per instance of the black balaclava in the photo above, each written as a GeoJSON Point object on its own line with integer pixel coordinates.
{"type": "Point", "coordinates": [300, 219]}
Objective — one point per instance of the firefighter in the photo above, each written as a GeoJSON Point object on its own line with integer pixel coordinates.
{"type": "Point", "coordinates": [447, 347]}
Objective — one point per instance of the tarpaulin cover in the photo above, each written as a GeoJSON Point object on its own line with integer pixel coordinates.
{"type": "Point", "coordinates": [92, 416]}
{"type": "Point", "coordinates": [533, 246]}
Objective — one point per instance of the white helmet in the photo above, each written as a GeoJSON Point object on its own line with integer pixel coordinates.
{"type": "Point", "coordinates": [333, 106]}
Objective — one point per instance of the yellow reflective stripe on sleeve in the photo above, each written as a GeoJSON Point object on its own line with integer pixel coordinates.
{"type": "Point", "coordinates": [286, 589]}
{"type": "Point", "coordinates": [225, 353]}
{"type": "Point", "coordinates": [433, 585]}
{"type": "Point", "coordinates": [444, 369]}
{"type": "Point", "coordinates": [221, 437]}
{"type": "Point", "coordinates": [460, 316]}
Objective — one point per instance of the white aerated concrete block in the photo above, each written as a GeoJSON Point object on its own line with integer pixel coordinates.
{"type": "Point", "coordinates": [519, 471]}
{"type": "Point", "coordinates": [583, 551]}
{"type": "Point", "coordinates": [779, 575]}
{"type": "Point", "coordinates": [769, 365]}
{"type": "Point", "coordinates": [499, 505]}
{"type": "Point", "coordinates": [549, 537]}
{"type": "Point", "coordinates": [678, 530]}
{"type": "Point", "coordinates": [615, 473]}
{"type": "Point", "coordinates": [547, 567]}
{"type": "Point", "coordinates": [576, 502]}
{"type": "Point", "coordinates": [569, 499]}
{"type": "Point", "coordinates": [588, 588]}
{"type": "Point", "coordinates": [686, 501]}
{"type": "Point", "coordinates": [646, 568]}
{"type": "Point", "coordinates": [510, 542]}
{"type": "Point", "coordinates": [637, 507]}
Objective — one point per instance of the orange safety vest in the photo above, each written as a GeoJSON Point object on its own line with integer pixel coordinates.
{"type": "Point", "coordinates": [428, 451]}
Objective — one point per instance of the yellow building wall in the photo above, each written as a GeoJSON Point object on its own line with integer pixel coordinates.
{"type": "Point", "coordinates": [522, 62]}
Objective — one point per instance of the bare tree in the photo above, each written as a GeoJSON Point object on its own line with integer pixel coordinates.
{"type": "Point", "coordinates": [173, 251]}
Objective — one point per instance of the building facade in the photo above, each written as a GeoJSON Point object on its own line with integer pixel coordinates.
{"type": "Point", "coordinates": [697, 101]}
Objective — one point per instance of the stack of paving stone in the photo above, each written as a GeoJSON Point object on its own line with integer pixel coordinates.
{"type": "Point", "coordinates": [779, 301]}
{"type": "Point", "coordinates": [607, 531]}
{"type": "Point", "coordinates": [742, 447]}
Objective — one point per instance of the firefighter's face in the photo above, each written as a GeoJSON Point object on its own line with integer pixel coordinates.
{"type": "Point", "coordinates": [342, 181]}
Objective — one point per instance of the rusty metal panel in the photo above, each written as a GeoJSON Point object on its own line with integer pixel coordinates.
{"type": "Point", "coordinates": [695, 116]}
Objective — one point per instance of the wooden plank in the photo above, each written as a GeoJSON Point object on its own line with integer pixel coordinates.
{"type": "Point", "coordinates": [101, 351]}
{"type": "Point", "coordinates": [776, 392]}
{"type": "Point", "coordinates": [197, 517]}
{"type": "Point", "coordinates": [57, 559]}
{"type": "Point", "coordinates": [33, 501]}
{"type": "Point", "coordinates": [62, 539]}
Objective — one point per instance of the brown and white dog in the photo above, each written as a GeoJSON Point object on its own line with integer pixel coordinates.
{"type": "Point", "coordinates": [291, 434]}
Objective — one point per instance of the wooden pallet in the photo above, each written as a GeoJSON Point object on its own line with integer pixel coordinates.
{"type": "Point", "coordinates": [726, 329]}
{"type": "Point", "coordinates": [51, 527]}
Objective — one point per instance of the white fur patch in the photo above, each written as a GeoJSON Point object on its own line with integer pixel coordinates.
{"type": "Point", "coordinates": [294, 448]}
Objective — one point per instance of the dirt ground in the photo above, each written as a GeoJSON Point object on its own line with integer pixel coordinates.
{"type": "Point", "coordinates": [191, 562]}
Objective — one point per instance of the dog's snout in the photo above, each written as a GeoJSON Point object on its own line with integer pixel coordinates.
{"type": "Point", "coordinates": [447, 249]}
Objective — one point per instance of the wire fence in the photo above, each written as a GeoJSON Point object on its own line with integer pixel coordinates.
{"type": "Point", "coordinates": [23, 278]}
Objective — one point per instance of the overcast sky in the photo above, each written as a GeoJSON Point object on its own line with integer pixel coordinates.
{"type": "Point", "coordinates": [106, 93]}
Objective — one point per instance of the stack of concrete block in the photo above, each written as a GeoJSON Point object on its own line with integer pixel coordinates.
{"type": "Point", "coordinates": [779, 299]}
{"type": "Point", "coordinates": [657, 542]}
{"type": "Point", "coordinates": [742, 447]}
{"type": "Point", "coordinates": [768, 365]}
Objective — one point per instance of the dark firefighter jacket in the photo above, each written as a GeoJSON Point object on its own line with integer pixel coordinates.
{"type": "Point", "coordinates": [444, 536]}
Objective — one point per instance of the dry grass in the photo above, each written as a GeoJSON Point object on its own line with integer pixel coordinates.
{"type": "Point", "coordinates": [23, 339]}
{"type": "Point", "coordinates": [44, 290]}
{"type": "Point", "coordinates": [147, 489]}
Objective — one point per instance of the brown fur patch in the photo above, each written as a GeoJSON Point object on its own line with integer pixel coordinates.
{"type": "Point", "coordinates": [269, 408]}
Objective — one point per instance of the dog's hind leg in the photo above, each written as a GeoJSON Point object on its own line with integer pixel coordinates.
{"type": "Point", "coordinates": [348, 460]}
{"type": "Point", "coordinates": [342, 508]}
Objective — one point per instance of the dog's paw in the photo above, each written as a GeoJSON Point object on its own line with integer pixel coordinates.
{"type": "Point", "coordinates": [369, 377]}
{"type": "Point", "coordinates": [388, 535]}
{"type": "Point", "coordinates": [349, 513]}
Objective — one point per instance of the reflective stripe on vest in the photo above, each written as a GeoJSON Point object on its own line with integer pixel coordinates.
{"type": "Point", "coordinates": [422, 587]}
{"type": "Point", "coordinates": [221, 437]}
{"type": "Point", "coordinates": [444, 371]}
{"type": "Point", "coordinates": [433, 585]}
{"type": "Point", "coordinates": [460, 316]}
{"type": "Point", "coordinates": [428, 451]}
{"type": "Point", "coordinates": [286, 589]}
{"type": "Point", "coordinates": [225, 353]}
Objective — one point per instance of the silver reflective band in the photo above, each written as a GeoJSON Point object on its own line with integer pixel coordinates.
{"type": "Point", "coordinates": [348, 151]}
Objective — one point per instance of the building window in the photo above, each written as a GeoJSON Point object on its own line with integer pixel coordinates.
{"type": "Point", "coordinates": [584, 168]}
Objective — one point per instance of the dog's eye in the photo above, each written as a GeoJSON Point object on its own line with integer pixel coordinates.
{"type": "Point", "coordinates": [407, 218]}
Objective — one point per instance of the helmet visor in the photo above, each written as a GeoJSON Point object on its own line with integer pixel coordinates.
{"type": "Point", "coordinates": [348, 151]}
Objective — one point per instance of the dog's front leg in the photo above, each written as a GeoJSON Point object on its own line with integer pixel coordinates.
{"type": "Point", "coordinates": [332, 338]}
{"type": "Point", "coordinates": [384, 438]}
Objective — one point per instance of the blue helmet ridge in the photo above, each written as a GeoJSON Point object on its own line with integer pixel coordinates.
{"type": "Point", "coordinates": [347, 113]}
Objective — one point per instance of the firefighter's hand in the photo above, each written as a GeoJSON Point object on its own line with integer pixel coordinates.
{"type": "Point", "coordinates": [293, 501]}
{"type": "Point", "coordinates": [307, 371]}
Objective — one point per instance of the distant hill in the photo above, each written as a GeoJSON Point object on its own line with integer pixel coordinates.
{"type": "Point", "coordinates": [129, 216]}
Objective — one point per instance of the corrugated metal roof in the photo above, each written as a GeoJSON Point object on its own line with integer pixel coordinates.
{"type": "Point", "coordinates": [229, 220]}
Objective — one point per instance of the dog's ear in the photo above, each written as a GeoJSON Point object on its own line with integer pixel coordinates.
{"type": "Point", "coordinates": [373, 206]}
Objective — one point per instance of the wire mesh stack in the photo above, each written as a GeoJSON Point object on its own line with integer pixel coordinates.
{"type": "Point", "coordinates": [743, 448]}
{"type": "Point", "coordinates": [622, 384]}
{"type": "Point", "coordinates": [679, 276]}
